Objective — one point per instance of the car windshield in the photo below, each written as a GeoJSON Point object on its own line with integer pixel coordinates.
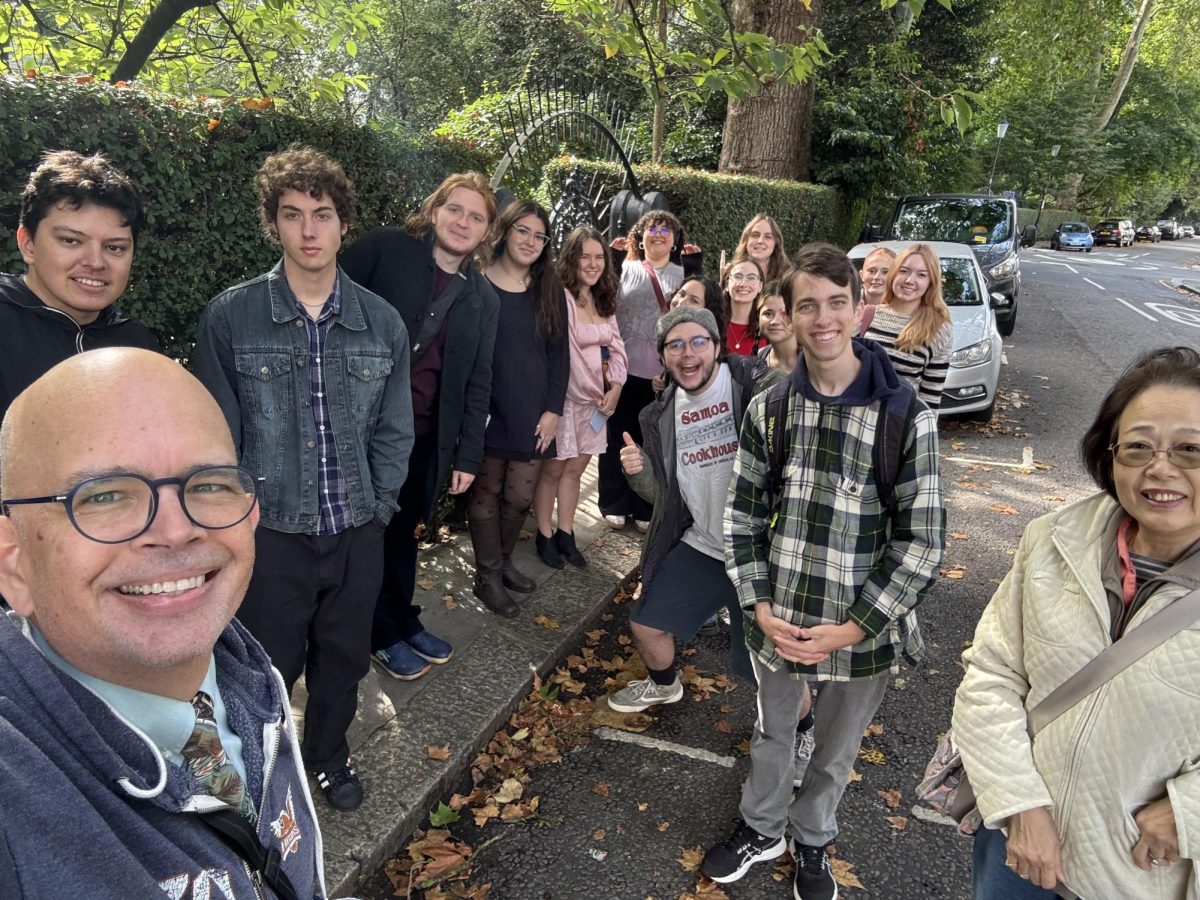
{"type": "Point", "coordinates": [962, 220]}
{"type": "Point", "coordinates": [1075, 228]}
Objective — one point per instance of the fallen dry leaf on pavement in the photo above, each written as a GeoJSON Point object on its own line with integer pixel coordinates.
{"type": "Point", "coordinates": [854, 776]}
{"type": "Point", "coordinates": [875, 728]}
{"type": "Point", "coordinates": [873, 756]}
{"type": "Point", "coordinates": [426, 583]}
{"type": "Point", "coordinates": [449, 600]}
{"type": "Point", "coordinates": [955, 572]}
{"type": "Point", "coordinates": [691, 858]}
{"type": "Point", "coordinates": [442, 752]}
{"type": "Point", "coordinates": [510, 790]}
{"type": "Point", "coordinates": [897, 822]}
{"type": "Point", "coordinates": [601, 788]}
{"type": "Point", "coordinates": [705, 890]}
{"type": "Point", "coordinates": [598, 834]}
{"type": "Point", "coordinates": [642, 807]}
{"type": "Point", "coordinates": [743, 746]}
{"type": "Point", "coordinates": [842, 874]}
{"type": "Point", "coordinates": [960, 536]}
{"type": "Point", "coordinates": [1003, 509]}
{"type": "Point", "coordinates": [663, 826]}
{"type": "Point", "coordinates": [593, 637]}
{"type": "Point", "coordinates": [722, 726]}
{"type": "Point", "coordinates": [891, 798]}
{"type": "Point", "coordinates": [546, 621]}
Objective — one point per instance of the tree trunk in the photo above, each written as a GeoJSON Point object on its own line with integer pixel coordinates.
{"type": "Point", "coordinates": [769, 135]}
{"type": "Point", "coordinates": [1112, 100]}
{"type": "Point", "coordinates": [658, 127]}
{"type": "Point", "coordinates": [161, 20]}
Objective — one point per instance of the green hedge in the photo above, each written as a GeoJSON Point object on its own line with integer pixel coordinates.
{"type": "Point", "coordinates": [195, 164]}
{"type": "Point", "coordinates": [1051, 219]}
{"type": "Point", "coordinates": [714, 208]}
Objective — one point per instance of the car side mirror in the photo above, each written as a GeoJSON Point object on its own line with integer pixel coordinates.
{"type": "Point", "coordinates": [870, 234]}
{"type": "Point", "coordinates": [1029, 236]}
{"type": "Point", "coordinates": [998, 299]}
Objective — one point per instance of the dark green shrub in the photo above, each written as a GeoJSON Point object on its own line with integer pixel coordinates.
{"type": "Point", "coordinates": [195, 164]}
{"type": "Point", "coordinates": [714, 208]}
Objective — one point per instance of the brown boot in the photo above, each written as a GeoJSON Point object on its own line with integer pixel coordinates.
{"type": "Point", "coordinates": [489, 582]}
{"type": "Point", "coordinates": [514, 578]}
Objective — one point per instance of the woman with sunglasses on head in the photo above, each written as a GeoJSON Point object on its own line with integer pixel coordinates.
{"type": "Point", "coordinates": [913, 322]}
{"type": "Point", "coordinates": [762, 241]}
{"type": "Point", "coordinates": [529, 384]}
{"type": "Point", "coordinates": [650, 275]}
{"type": "Point", "coordinates": [1104, 800]}
{"type": "Point", "coordinates": [742, 282]}
{"type": "Point", "coordinates": [598, 372]}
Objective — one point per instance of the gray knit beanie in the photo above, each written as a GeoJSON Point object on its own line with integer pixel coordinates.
{"type": "Point", "coordinates": [681, 314]}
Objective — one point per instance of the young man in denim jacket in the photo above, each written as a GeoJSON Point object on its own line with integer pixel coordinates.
{"type": "Point", "coordinates": [312, 373]}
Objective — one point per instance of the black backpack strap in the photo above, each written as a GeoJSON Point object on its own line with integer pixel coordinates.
{"type": "Point", "coordinates": [895, 418]}
{"type": "Point", "coordinates": [775, 437]}
{"type": "Point", "coordinates": [237, 833]}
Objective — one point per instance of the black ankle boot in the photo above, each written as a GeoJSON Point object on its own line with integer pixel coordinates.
{"type": "Point", "coordinates": [547, 551]}
{"type": "Point", "coordinates": [566, 546]}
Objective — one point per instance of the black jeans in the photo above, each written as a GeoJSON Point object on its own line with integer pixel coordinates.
{"type": "Point", "coordinates": [396, 617]}
{"type": "Point", "coordinates": [616, 497]}
{"type": "Point", "coordinates": [309, 604]}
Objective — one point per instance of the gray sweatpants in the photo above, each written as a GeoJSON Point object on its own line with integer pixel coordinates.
{"type": "Point", "coordinates": [842, 710]}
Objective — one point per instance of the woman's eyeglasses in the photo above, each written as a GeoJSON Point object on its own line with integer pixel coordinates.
{"type": "Point", "coordinates": [526, 234]}
{"type": "Point", "coordinates": [1137, 454]}
{"type": "Point", "coordinates": [748, 277]}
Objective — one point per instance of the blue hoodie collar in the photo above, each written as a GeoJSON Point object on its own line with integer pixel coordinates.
{"type": "Point", "coordinates": [876, 379]}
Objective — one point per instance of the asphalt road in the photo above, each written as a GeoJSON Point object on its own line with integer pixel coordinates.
{"type": "Point", "coordinates": [1082, 318]}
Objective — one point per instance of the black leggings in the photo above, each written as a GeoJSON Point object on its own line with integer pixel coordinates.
{"type": "Point", "coordinates": [503, 488]}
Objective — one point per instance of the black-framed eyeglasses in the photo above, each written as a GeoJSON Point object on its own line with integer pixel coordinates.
{"type": "Point", "coordinates": [113, 509]}
{"type": "Point", "coordinates": [698, 343]}
{"type": "Point", "coordinates": [1137, 454]}
{"type": "Point", "coordinates": [525, 233]}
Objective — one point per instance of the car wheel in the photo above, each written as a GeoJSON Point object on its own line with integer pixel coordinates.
{"type": "Point", "coordinates": [1087, 249]}
{"type": "Point", "coordinates": [981, 415]}
{"type": "Point", "coordinates": [1006, 326]}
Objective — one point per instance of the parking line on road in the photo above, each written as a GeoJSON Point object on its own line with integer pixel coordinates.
{"type": "Point", "coordinates": [1140, 312]}
{"type": "Point", "coordinates": [1093, 284]}
{"type": "Point", "coordinates": [1074, 270]}
{"type": "Point", "coordinates": [640, 740]}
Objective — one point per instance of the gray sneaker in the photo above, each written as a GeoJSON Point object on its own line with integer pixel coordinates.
{"type": "Point", "coordinates": [804, 751]}
{"type": "Point", "coordinates": [639, 695]}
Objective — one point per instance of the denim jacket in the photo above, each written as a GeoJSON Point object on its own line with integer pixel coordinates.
{"type": "Point", "coordinates": [252, 354]}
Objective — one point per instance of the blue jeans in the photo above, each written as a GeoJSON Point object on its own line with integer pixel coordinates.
{"type": "Point", "coordinates": [991, 879]}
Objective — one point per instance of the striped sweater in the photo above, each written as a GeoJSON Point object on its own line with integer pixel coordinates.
{"type": "Point", "coordinates": [924, 368]}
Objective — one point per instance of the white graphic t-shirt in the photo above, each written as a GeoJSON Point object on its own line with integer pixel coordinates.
{"type": "Point", "coordinates": [706, 442]}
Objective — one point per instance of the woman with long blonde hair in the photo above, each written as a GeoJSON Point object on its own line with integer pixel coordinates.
{"type": "Point", "coordinates": [913, 322]}
{"type": "Point", "coordinates": [762, 241]}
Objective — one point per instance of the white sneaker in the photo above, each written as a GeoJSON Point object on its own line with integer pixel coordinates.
{"type": "Point", "coordinates": [804, 751]}
{"type": "Point", "coordinates": [642, 525]}
{"type": "Point", "coordinates": [615, 522]}
{"type": "Point", "coordinates": [639, 695]}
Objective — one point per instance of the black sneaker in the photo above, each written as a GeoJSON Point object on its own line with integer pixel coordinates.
{"type": "Point", "coordinates": [814, 880]}
{"type": "Point", "coordinates": [732, 858]}
{"type": "Point", "coordinates": [341, 788]}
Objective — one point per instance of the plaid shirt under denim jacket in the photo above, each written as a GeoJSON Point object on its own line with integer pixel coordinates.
{"type": "Point", "coordinates": [833, 554]}
{"type": "Point", "coordinates": [252, 353]}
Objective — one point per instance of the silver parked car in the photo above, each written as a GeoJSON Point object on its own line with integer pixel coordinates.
{"type": "Point", "coordinates": [975, 356]}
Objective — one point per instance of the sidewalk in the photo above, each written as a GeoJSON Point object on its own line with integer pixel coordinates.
{"type": "Point", "coordinates": [462, 703]}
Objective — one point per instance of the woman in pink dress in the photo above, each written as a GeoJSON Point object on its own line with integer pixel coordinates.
{"type": "Point", "coordinates": [598, 370]}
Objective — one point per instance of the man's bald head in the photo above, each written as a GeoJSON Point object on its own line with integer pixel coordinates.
{"type": "Point", "coordinates": [144, 612]}
{"type": "Point", "coordinates": [87, 392]}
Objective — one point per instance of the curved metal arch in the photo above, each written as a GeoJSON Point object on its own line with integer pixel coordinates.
{"type": "Point", "coordinates": [557, 117]}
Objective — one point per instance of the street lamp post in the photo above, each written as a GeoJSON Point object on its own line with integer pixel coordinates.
{"type": "Point", "coordinates": [1001, 130]}
{"type": "Point", "coordinates": [1053, 155]}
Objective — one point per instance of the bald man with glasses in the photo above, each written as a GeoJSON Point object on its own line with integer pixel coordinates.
{"type": "Point", "coordinates": [148, 745]}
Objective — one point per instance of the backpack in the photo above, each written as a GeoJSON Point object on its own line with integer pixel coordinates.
{"type": "Point", "coordinates": [895, 418]}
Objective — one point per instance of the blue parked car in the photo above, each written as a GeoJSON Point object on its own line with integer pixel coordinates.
{"type": "Point", "coordinates": [1072, 236]}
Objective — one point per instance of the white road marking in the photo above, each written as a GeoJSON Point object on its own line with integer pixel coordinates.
{"type": "Point", "coordinates": [1026, 464]}
{"type": "Point", "coordinates": [1136, 310]}
{"type": "Point", "coordinates": [640, 740]}
{"type": "Point", "coordinates": [1072, 268]}
{"type": "Point", "coordinates": [1093, 284]}
{"type": "Point", "coordinates": [1182, 314]}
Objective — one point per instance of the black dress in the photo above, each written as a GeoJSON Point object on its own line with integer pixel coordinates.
{"type": "Point", "coordinates": [529, 377]}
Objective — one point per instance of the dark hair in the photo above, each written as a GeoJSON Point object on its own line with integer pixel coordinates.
{"type": "Point", "coordinates": [727, 301]}
{"type": "Point", "coordinates": [657, 218]}
{"type": "Point", "coordinates": [304, 169]}
{"type": "Point", "coordinates": [714, 298]}
{"type": "Point", "coordinates": [770, 289]}
{"type": "Point", "coordinates": [604, 291]}
{"type": "Point", "coordinates": [418, 223]}
{"type": "Point", "coordinates": [67, 177]}
{"type": "Point", "coordinates": [544, 283]}
{"type": "Point", "coordinates": [1167, 366]}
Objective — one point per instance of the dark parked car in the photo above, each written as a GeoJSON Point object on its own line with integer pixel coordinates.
{"type": "Point", "coordinates": [1149, 233]}
{"type": "Point", "coordinates": [1114, 231]}
{"type": "Point", "coordinates": [1169, 228]}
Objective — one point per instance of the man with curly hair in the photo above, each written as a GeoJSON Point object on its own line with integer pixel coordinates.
{"type": "Point", "coordinates": [78, 227]}
{"type": "Point", "coordinates": [312, 373]}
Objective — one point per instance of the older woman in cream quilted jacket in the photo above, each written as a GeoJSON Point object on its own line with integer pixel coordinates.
{"type": "Point", "coordinates": [1105, 801]}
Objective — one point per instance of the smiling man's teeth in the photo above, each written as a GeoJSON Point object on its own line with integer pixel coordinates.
{"type": "Point", "coordinates": [90, 282]}
{"type": "Point", "coordinates": [163, 587]}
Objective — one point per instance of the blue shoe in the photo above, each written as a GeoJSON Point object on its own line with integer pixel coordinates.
{"type": "Point", "coordinates": [401, 661]}
{"type": "Point", "coordinates": [430, 647]}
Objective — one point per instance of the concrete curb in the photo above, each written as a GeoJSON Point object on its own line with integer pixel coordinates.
{"type": "Point", "coordinates": [462, 703]}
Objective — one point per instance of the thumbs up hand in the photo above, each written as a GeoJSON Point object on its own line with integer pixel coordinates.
{"type": "Point", "coordinates": [631, 455]}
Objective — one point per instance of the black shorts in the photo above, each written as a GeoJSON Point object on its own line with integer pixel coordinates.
{"type": "Point", "coordinates": [687, 589]}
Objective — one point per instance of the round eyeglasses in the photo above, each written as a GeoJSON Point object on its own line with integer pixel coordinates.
{"type": "Point", "coordinates": [113, 509]}
{"type": "Point", "coordinates": [1136, 454]}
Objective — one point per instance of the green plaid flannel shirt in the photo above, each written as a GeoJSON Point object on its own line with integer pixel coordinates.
{"type": "Point", "coordinates": [834, 553]}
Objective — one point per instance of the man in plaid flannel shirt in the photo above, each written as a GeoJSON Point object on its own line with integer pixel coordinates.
{"type": "Point", "coordinates": [832, 580]}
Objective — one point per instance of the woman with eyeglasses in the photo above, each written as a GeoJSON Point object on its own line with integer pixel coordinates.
{"type": "Point", "coordinates": [650, 275]}
{"type": "Point", "coordinates": [529, 384]}
{"type": "Point", "coordinates": [1105, 800]}
{"type": "Point", "coordinates": [742, 282]}
{"type": "Point", "coordinates": [913, 322]}
{"type": "Point", "coordinates": [762, 241]}
{"type": "Point", "coordinates": [598, 372]}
